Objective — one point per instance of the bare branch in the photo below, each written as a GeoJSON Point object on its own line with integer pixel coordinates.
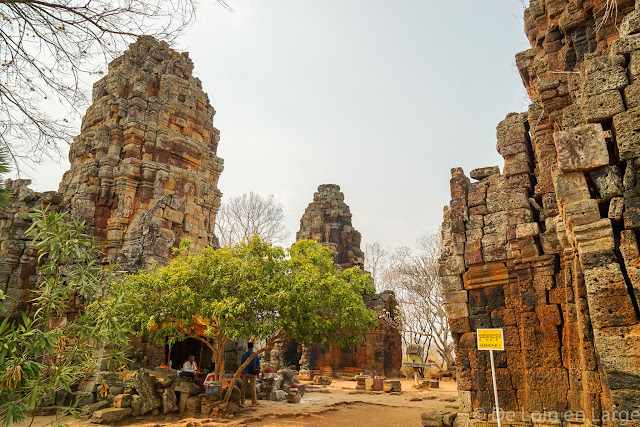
{"type": "Point", "coordinates": [242, 217]}
{"type": "Point", "coordinates": [46, 47]}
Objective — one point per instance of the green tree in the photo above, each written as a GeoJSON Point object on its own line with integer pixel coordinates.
{"type": "Point", "coordinates": [250, 289]}
{"type": "Point", "coordinates": [44, 350]}
{"type": "Point", "coordinates": [5, 195]}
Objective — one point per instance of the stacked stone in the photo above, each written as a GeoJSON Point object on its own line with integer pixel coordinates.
{"type": "Point", "coordinates": [18, 257]}
{"type": "Point", "coordinates": [327, 220]}
{"type": "Point", "coordinates": [143, 175]}
{"type": "Point", "coordinates": [144, 169]}
{"type": "Point", "coordinates": [550, 246]}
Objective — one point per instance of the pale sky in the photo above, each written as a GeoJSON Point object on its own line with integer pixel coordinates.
{"type": "Point", "coordinates": [382, 98]}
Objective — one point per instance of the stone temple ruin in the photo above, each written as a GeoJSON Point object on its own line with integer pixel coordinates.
{"type": "Point", "coordinates": [144, 175]}
{"type": "Point", "coordinates": [327, 220]}
{"type": "Point", "coordinates": [144, 170]}
{"type": "Point", "coordinates": [547, 249]}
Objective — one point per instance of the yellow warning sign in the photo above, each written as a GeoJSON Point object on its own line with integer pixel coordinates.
{"type": "Point", "coordinates": [490, 339]}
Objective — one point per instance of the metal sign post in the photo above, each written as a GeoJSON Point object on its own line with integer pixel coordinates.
{"type": "Point", "coordinates": [492, 339]}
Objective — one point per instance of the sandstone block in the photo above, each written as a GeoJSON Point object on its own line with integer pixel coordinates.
{"type": "Point", "coordinates": [481, 173]}
{"type": "Point", "coordinates": [594, 237]}
{"type": "Point", "coordinates": [392, 386]}
{"type": "Point", "coordinates": [88, 386]}
{"type": "Point", "coordinates": [494, 253]}
{"type": "Point", "coordinates": [187, 387]}
{"type": "Point", "coordinates": [456, 310]}
{"type": "Point", "coordinates": [616, 208]}
{"type": "Point", "coordinates": [601, 107]}
{"type": "Point", "coordinates": [609, 301]}
{"type": "Point", "coordinates": [464, 401]}
{"type": "Point", "coordinates": [512, 135]}
{"type": "Point", "coordinates": [527, 230]}
{"type": "Point", "coordinates": [375, 384]}
{"type": "Point", "coordinates": [110, 415]}
{"type": "Point", "coordinates": [278, 395]}
{"type": "Point", "coordinates": [455, 297]}
{"type": "Point", "coordinates": [136, 405]}
{"type": "Point", "coordinates": [145, 385]}
{"type": "Point", "coordinates": [169, 401]}
{"type": "Point", "coordinates": [632, 92]}
{"type": "Point", "coordinates": [473, 253]}
{"type": "Point", "coordinates": [82, 398]}
{"type": "Point", "coordinates": [581, 213]}
{"type": "Point", "coordinates": [122, 401]}
{"type": "Point", "coordinates": [494, 239]}
{"type": "Point", "coordinates": [627, 127]}
{"type": "Point", "coordinates": [451, 283]}
{"type": "Point", "coordinates": [614, 77]}
{"type": "Point", "coordinates": [489, 274]}
{"type": "Point", "coordinates": [570, 187]}
{"type": "Point", "coordinates": [608, 180]}
{"type": "Point", "coordinates": [581, 148]}
{"type": "Point", "coordinates": [630, 24]}
{"type": "Point", "coordinates": [632, 213]}
{"type": "Point", "coordinates": [193, 404]}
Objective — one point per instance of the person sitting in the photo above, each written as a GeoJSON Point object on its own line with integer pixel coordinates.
{"type": "Point", "coordinates": [189, 368]}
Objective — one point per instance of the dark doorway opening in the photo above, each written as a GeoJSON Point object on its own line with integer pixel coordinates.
{"type": "Point", "coordinates": [292, 353]}
{"type": "Point", "coordinates": [181, 351]}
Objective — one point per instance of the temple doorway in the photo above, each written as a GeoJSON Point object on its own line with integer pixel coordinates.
{"type": "Point", "coordinates": [181, 351]}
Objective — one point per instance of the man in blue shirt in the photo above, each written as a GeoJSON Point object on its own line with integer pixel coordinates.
{"type": "Point", "coordinates": [249, 374]}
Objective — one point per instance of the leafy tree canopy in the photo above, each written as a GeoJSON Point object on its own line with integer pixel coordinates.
{"type": "Point", "coordinates": [251, 288]}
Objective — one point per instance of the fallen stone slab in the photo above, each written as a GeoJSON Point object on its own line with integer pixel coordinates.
{"type": "Point", "coordinates": [481, 173]}
{"type": "Point", "coordinates": [392, 386]}
{"type": "Point", "coordinates": [83, 398]}
{"type": "Point", "coordinates": [145, 385]}
{"type": "Point", "coordinates": [90, 409]}
{"type": "Point", "coordinates": [110, 415]}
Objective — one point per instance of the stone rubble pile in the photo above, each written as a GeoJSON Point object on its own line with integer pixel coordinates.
{"type": "Point", "coordinates": [110, 397]}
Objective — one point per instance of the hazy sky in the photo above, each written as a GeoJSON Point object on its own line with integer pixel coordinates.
{"type": "Point", "coordinates": [382, 98]}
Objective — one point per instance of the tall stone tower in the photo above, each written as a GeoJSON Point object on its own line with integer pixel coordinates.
{"type": "Point", "coordinates": [327, 220]}
{"type": "Point", "coordinates": [144, 169]}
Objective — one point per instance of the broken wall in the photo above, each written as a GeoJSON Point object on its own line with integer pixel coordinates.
{"type": "Point", "coordinates": [547, 249]}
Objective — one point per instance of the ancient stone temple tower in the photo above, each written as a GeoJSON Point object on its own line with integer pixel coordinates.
{"type": "Point", "coordinates": [327, 220]}
{"type": "Point", "coordinates": [547, 250]}
{"type": "Point", "coordinates": [144, 169]}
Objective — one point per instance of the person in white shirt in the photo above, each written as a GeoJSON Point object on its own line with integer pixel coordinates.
{"type": "Point", "coordinates": [189, 367]}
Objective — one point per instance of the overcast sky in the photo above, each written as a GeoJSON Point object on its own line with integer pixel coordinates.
{"type": "Point", "coordinates": [382, 98]}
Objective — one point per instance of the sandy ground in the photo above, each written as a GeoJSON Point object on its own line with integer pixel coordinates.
{"type": "Point", "coordinates": [334, 405]}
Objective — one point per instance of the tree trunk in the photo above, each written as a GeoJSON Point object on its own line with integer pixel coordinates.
{"type": "Point", "coordinates": [238, 372]}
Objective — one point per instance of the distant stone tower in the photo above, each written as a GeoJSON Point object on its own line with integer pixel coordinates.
{"type": "Point", "coordinates": [144, 169]}
{"type": "Point", "coordinates": [327, 220]}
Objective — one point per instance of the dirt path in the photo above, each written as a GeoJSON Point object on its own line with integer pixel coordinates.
{"type": "Point", "coordinates": [337, 404]}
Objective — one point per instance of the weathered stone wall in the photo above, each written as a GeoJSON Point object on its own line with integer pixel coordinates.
{"type": "Point", "coordinates": [547, 249]}
{"type": "Point", "coordinates": [18, 257]}
{"type": "Point", "coordinates": [143, 175]}
{"type": "Point", "coordinates": [327, 220]}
